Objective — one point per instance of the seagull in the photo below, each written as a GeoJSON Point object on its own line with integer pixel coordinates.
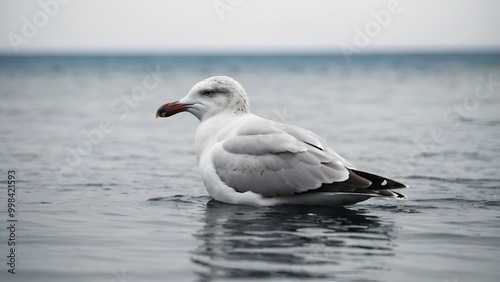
{"type": "Point", "coordinates": [248, 160]}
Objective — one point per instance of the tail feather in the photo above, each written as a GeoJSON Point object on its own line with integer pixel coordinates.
{"type": "Point", "coordinates": [364, 183]}
{"type": "Point", "coordinates": [379, 182]}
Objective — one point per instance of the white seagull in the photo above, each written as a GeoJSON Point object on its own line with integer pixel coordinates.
{"type": "Point", "coordinates": [249, 160]}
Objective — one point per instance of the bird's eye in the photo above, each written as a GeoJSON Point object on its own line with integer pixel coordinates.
{"type": "Point", "coordinates": [208, 92]}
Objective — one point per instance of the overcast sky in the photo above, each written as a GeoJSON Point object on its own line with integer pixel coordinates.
{"type": "Point", "coordinates": [248, 25]}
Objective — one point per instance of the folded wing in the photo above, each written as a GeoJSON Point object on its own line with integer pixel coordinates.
{"type": "Point", "coordinates": [273, 159]}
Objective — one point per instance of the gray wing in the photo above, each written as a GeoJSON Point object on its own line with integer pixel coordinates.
{"type": "Point", "coordinates": [273, 159]}
{"type": "Point", "coordinates": [357, 181]}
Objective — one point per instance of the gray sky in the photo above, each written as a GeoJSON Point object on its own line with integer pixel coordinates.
{"type": "Point", "coordinates": [248, 25]}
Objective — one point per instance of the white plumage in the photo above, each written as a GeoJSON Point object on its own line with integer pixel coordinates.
{"type": "Point", "coordinates": [246, 159]}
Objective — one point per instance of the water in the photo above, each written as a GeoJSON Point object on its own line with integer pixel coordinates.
{"type": "Point", "coordinates": [132, 207]}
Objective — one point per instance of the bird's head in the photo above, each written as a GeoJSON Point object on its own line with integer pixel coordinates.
{"type": "Point", "coordinates": [209, 97]}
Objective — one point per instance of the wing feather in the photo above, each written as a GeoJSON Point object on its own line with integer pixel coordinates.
{"type": "Point", "coordinates": [274, 159]}
{"type": "Point", "coordinates": [272, 162]}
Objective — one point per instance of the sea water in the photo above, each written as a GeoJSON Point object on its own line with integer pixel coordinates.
{"type": "Point", "coordinates": [106, 192]}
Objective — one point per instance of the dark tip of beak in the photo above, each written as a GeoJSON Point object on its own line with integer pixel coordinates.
{"type": "Point", "coordinates": [170, 109]}
{"type": "Point", "coordinates": [162, 112]}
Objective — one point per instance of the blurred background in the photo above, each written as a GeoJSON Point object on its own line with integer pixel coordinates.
{"type": "Point", "coordinates": [239, 26]}
{"type": "Point", "coordinates": [405, 89]}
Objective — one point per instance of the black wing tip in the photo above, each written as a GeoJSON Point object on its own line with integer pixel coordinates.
{"type": "Point", "coordinates": [400, 196]}
{"type": "Point", "coordinates": [380, 182]}
{"type": "Point", "coordinates": [399, 185]}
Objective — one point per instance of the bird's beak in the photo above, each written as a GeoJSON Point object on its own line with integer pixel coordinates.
{"type": "Point", "coordinates": [172, 108]}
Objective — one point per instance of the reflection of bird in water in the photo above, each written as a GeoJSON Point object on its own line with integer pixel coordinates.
{"type": "Point", "coordinates": [290, 242]}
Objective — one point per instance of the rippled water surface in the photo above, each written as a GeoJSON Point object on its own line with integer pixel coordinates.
{"type": "Point", "coordinates": [128, 204]}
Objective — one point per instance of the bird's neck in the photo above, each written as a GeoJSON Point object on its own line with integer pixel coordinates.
{"type": "Point", "coordinates": [212, 129]}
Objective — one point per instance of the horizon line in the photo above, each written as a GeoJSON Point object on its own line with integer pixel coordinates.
{"type": "Point", "coordinates": [223, 53]}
